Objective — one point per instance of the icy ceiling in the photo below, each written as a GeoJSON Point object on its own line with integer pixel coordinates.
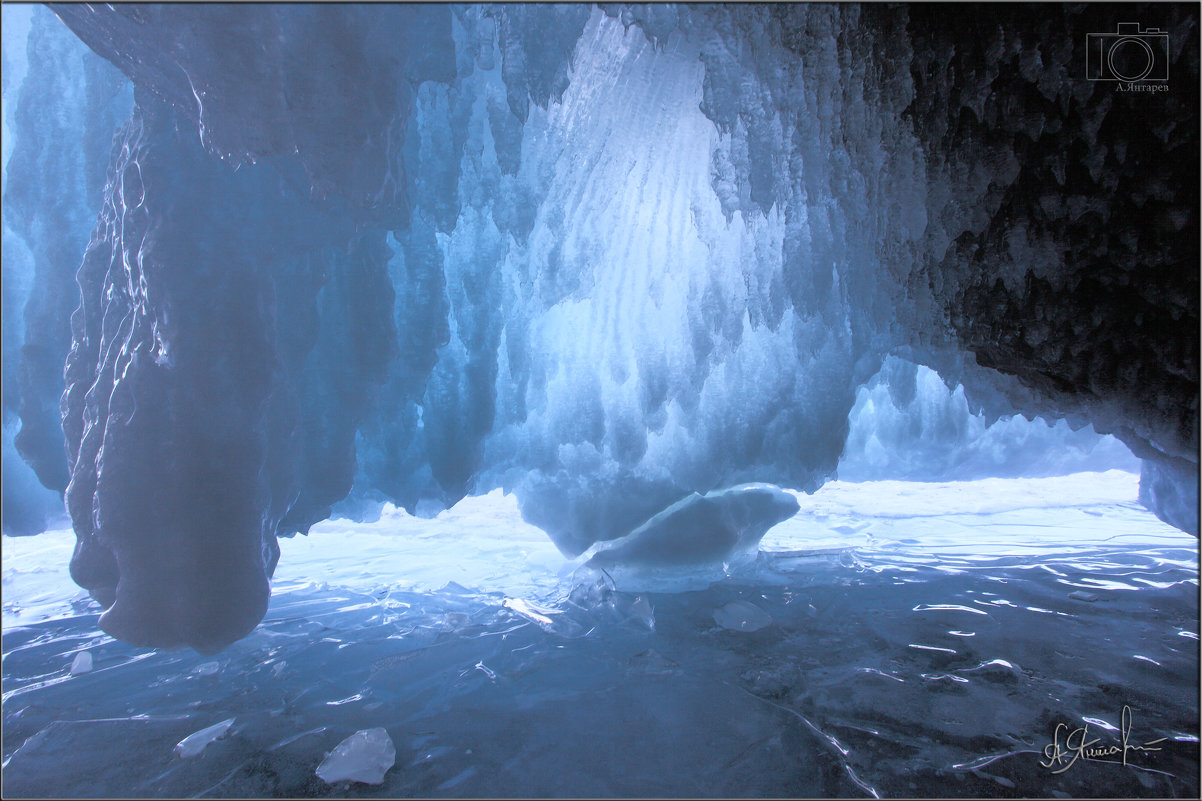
{"type": "Point", "coordinates": [601, 257]}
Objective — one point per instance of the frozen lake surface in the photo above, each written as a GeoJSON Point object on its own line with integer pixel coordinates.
{"type": "Point", "coordinates": [892, 639]}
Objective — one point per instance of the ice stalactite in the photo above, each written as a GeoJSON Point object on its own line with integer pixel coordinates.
{"type": "Point", "coordinates": [222, 360]}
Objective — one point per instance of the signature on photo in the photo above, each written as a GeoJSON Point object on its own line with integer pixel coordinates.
{"type": "Point", "coordinates": [1076, 746]}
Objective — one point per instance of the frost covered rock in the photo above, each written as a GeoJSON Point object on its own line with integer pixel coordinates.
{"type": "Point", "coordinates": [702, 528]}
{"type": "Point", "coordinates": [365, 757]}
{"type": "Point", "coordinates": [194, 402]}
{"type": "Point", "coordinates": [196, 742]}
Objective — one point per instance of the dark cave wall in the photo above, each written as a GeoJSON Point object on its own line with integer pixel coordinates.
{"type": "Point", "coordinates": [1082, 279]}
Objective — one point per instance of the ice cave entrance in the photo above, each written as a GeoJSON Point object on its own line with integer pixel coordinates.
{"type": "Point", "coordinates": [448, 656]}
{"type": "Point", "coordinates": [923, 479]}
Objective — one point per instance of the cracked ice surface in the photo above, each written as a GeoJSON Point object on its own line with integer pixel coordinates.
{"type": "Point", "coordinates": [894, 616]}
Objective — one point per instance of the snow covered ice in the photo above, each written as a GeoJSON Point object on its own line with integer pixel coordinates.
{"type": "Point", "coordinates": [714, 527]}
{"type": "Point", "coordinates": [617, 400]}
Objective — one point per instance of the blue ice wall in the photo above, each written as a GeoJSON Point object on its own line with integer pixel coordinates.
{"type": "Point", "coordinates": [62, 104]}
{"type": "Point", "coordinates": [907, 423]}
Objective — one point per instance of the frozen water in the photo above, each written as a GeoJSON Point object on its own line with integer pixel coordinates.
{"type": "Point", "coordinates": [925, 640]}
{"type": "Point", "coordinates": [742, 616]}
{"type": "Point", "coordinates": [908, 424]}
{"type": "Point", "coordinates": [82, 663]}
{"type": "Point", "coordinates": [364, 757]}
{"type": "Point", "coordinates": [607, 259]}
{"type": "Point", "coordinates": [713, 527]}
{"type": "Point", "coordinates": [193, 744]}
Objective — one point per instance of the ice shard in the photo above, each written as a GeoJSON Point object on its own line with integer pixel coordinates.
{"type": "Point", "coordinates": [366, 756]}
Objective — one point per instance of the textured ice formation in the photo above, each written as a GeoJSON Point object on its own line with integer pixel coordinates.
{"type": "Point", "coordinates": [365, 757]}
{"type": "Point", "coordinates": [61, 106]}
{"type": "Point", "coordinates": [702, 528]}
{"type": "Point", "coordinates": [1170, 488]}
{"type": "Point", "coordinates": [603, 258]}
{"type": "Point", "coordinates": [907, 424]}
{"type": "Point", "coordinates": [195, 743]}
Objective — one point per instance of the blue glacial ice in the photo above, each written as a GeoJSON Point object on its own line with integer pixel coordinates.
{"type": "Point", "coordinates": [603, 258]}
{"type": "Point", "coordinates": [776, 371]}
{"type": "Point", "coordinates": [717, 527]}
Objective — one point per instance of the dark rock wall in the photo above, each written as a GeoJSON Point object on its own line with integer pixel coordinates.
{"type": "Point", "coordinates": [1081, 278]}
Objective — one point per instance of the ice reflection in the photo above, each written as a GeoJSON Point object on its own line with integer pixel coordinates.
{"type": "Point", "coordinates": [950, 607]}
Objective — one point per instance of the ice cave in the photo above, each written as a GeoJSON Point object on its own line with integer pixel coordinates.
{"type": "Point", "coordinates": [570, 400]}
